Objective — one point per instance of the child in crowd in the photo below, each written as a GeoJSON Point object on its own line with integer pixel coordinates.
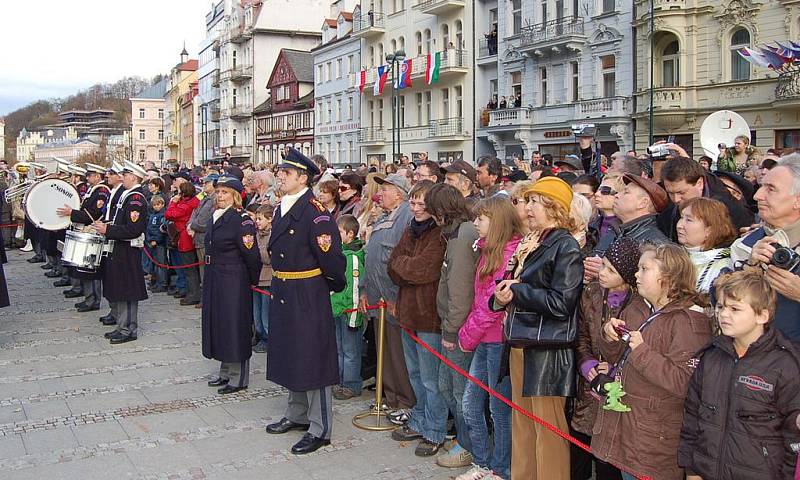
{"type": "Point", "coordinates": [741, 412]}
{"type": "Point", "coordinates": [499, 232]}
{"type": "Point", "coordinates": [156, 240]}
{"type": "Point", "coordinates": [263, 220]}
{"type": "Point", "coordinates": [613, 293]}
{"type": "Point", "coordinates": [349, 325]}
{"type": "Point", "coordinates": [654, 358]}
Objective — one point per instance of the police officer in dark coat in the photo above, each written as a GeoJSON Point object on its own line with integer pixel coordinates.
{"type": "Point", "coordinates": [233, 264]}
{"type": "Point", "coordinates": [123, 277]}
{"type": "Point", "coordinates": [114, 181]}
{"type": "Point", "coordinates": [306, 255]}
{"type": "Point", "coordinates": [92, 208]}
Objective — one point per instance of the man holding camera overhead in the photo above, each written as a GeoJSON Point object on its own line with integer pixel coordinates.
{"type": "Point", "coordinates": [774, 246]}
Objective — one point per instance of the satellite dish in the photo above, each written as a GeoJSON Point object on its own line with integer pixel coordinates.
{"type": "Point", "coordinates": [722, 126]}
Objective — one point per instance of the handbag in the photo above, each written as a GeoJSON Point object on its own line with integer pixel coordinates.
{"type": "Point", "coordinates": [524, 329]}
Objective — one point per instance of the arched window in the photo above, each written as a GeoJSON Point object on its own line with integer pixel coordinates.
{"type": "Point", "coordinates": [740, 68]}
{"type": "Point", "coordinates": [380, 54]}
{"type": "Point", "coordinates": [427, 41]}
{"type": "Point", "coordinates": [393, 45]}
{"type": "Point", "coordinates": [459, 35]}
{"type": "Point", "coordinates": [401, 43]}
{"type": "Point", "coordinates": [418, 37]}
{"type": "Point", "coordinates": [670, 65]}
{"type": "Point", "coordinates": [445, 36]}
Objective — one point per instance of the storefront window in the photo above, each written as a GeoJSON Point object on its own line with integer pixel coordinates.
{"type": "Point", "coordinates": [787, 139]}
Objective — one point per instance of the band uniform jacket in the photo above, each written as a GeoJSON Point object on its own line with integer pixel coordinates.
{"type": "Point", "coordinates": [93, 207]}
{"type": "Point", "coordinates": [123, 277]}
{"type": "Point", "coordinates": [301, 351]}
{"type": "Point", "coordinates": [233, 265]}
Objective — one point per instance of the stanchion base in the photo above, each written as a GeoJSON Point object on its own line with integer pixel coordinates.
{"type": "Point", "coordinates": [374, 420]}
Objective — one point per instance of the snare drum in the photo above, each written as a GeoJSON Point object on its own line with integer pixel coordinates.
{"type": "Point", "coordinates": [83, 250]}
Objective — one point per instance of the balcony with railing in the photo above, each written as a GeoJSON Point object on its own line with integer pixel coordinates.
{"type": "Point", "coordinates": [438, 7]}
{"type": "Point", "coordinates": [240, 34]}
{"type": "Point", "coordinates": [172, 140]}
{"type": "Point", "coordinates": [239, 150]}
{"type": "Point", "coordinates": [510, 117]}
{"type": "Point", "coordinates": [241, 73]}
{"type": "Point", "coordinates": [447, 129]}
{"type": "Point", "coordinates": [372, 135]}
{"type": "Point", "coordinates": [787, 90]}
{"type": "Point", "coordinates": [215, 79]}
{"type": "Point", "coordinates": [369, 24]}
{"type": "Point", "coordinates": [487, 51]}
{"type": "Point", "coordinates": [604, 107]}
{"type": "Point", "coordinates": [553, 37]}
{"type": "Point", "coordinates": [238, 112]}
{"type": "Point", "coordinates": [214, 113]}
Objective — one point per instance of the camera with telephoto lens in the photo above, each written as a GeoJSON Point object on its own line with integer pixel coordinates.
{"type": "Point", "coordinates": [658, 150]}
{"type": "Point", "coordinates": [785, 258]}
{"type": "Point", "coordinates": [584, 129]}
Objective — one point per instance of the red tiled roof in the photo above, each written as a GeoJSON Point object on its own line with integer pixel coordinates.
{"type": "Point", "coordinates": [330, 22]}
{"type": "Point", "coordinates": [188, 66]}
{"type": "Point", "coordinates": [347, 16]}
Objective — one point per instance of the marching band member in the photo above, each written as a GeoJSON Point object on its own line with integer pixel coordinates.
{"type": "Point", "coordinates": [92, 208]}
{"type": "Point", "coordinates": [306, 254]}
{"type": "Point", "coordinates": [123, 276]}
{"type": "Point", "coordinates": [233, 264]}
{"type": "Point", "coordinates": [114, 182]}
{"type": "Point", "coordinates": [77, 176]}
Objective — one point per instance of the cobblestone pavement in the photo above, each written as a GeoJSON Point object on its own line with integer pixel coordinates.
{"type": "Point", "coordinates": [74, 407]}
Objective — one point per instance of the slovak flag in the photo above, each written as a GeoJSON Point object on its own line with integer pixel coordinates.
{"type": "Point", "coordinates": [404, 79]}
{"type": "Point", "coordinates": [362, 81]}
{"type": "Point", "coordinates": [380, 80]}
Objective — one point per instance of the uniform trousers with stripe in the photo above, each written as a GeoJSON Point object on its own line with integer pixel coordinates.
{"type": "Point", "coordinates": [127, 315]}
{"type": "Point", "coordinates": [236, 373]}
{"type": "Point", "coordinates": [93, 289]}
{"type": "Point", "coordinates": [314, 408]}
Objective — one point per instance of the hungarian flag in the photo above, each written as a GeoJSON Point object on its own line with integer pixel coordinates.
{"type": "Point", "coordinates": [380, 80]}
{"type": "Point", "coordinates": [432, 70]}
{"type": "Point", "coordinates": [404, 79]}
{"type": "Point", "coordinates": [362, 81]}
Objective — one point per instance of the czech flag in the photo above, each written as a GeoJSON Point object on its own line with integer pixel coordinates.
{"type": "Point", "coordinates": [380, 81]}
{"type": "Point", "coordinates": [404, 80]}
{"type": "Point", "coordinates": [362, 81]}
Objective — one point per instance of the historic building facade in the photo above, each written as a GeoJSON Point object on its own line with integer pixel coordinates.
{"type": "Point", "coordinates": [697, 70]}
{"type": "Point", "coordinates": [147, 123]}
{"type": "Point", "coordinates": [180, 81]}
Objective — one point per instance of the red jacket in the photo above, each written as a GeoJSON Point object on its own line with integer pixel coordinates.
{"type": "Point", "coordinates": [179, 212]}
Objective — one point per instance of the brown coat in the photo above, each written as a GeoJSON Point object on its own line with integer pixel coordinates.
{"type": "Point", "coordinates": [655, 378]}
{"type": "Point", "coordinates": [590, 328]}
{"type": "Point", "coordinates": [415, 265]}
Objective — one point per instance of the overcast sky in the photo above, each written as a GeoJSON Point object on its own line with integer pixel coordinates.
{"type": "Point", "coordinates": [52, 48]}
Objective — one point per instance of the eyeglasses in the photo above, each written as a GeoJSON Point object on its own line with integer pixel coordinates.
{"type": "Point", "coordinates": [344, 188]}
{"type": "Point", "coordinates": [604, 190]}
{"type": "Point", "coordinates": [516, 201]}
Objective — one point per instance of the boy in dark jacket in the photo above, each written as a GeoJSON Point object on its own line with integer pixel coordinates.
{"type": "Point", "coordinates": [156, 240]}
{"type": "Point", "coordinates": [741, 412]}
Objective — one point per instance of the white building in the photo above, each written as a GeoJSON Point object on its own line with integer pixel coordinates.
{"type": "Point", "coordinates": [28, 140]}
{"type": "Point", "coordinates": [570, 62]}
{"type": "Point", "coordinates": [438, 118]}
{"type": "Point", "coordinates": [69, 150]}
{"type": "Point", "coordinates": [248, 48]}
{"type": "Point", "coordinates": [206, 128]}
{"type": "Point", "coordinates": [338, 104]}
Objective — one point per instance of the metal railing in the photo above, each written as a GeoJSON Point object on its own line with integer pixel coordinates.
{"type": "Point", "coordinates": [425, 5]}
{"type": "Point", "coordinates": [487, 49]}
{"type": "Point", "coordinates": [551, 30]}
{"type": "Point", "coordinates": [368, 20]}
{"type": "Point", "coordinates": [446, 127]}
{"type": "Point", "coordinates": [371, 134]}
{"type": "Point", "coordinates": [788, 86]}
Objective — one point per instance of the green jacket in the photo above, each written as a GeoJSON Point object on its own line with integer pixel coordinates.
{"type": "Point", "coordinates": [348, 298]}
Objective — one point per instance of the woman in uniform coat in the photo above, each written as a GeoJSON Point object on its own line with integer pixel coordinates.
{"type": "Point", "coordinates": [233, 264]}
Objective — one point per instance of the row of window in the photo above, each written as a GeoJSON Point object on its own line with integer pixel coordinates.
{"type": "Point", "coordinates": [143, 136]}
{"type": "Point", "coordinates": [278, 123]}
{"type": "Point", "coordinates": [425, 42]}
{"type": "Point", "coordinates": [342, 66]}
{"type": "Point", "coordinates": [449, 104]}
{"type": "Point", "coordinates": [143, 155]}
{"type": "Point", "coordinates": [335, 110]}
{"type": "Point", "coordinates": [143, 113]}
{"type": "Point", "coordinates": [339, 152]}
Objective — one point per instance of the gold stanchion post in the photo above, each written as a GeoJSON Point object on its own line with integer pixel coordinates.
{"type": "Point", "coordinates": [375, 418]}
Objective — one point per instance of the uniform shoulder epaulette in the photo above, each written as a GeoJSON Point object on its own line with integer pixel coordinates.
{"type": "Point", "coordinates": [317, 204]}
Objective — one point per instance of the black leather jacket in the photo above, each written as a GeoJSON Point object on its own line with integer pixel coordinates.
{"type": "Point", "coordinates": [643, 229]}
{"type": "Point", "coordinates": [550, 283]}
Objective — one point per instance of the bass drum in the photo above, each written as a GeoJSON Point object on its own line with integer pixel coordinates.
{"type": "Point", "coordinates": [44, 197]}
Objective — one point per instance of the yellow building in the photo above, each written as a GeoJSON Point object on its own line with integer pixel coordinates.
{"type": "Point", "coordinates": [697, 70]}
{"type": "Point", "coordinates": [181, 78]}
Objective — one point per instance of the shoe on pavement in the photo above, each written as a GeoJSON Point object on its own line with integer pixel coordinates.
{"type": "Point", "coordinates": [88, 308]}
{"type": "Point", "coordinates": [477, 473]}
{"type": "Point", "coordinates": [130, 338]}
{"type": "Point", "coordinates": [185, 302]}
{"type": "Point", "coordinates": [449, 444]}
{"type": "Point", "coordinates": [426, 448]}
{"type": "Point", "coordinates": [398, 417]}
{"type": "Point", "coordinates": [309, 443]}
{"type": "Point", "coordinates": [228, 389]}
{"type": "Point", "coordinates": [111, 334]}
{"type": "Point", "coordinates": [405, 434]}
{"type": "Point", "coordinates": [109, 321]}
{"type": "Point", "coordinates": [261, 347]}
{"type": "Point", "coordinates": [344, 393]}
{"type": "Point", "coordinates": [53, 274]}
{"type": "Point", "coordinates": [457, 457]}
{"type": "Point", "coordinates": [62, 283]}
{"type": "Point", "coordinates": [285, 425]}
{"type": "Point", "coordinates": [72, 294]}
{"type": "Point", "coordinates": [158, 290]}
{"type": "Point", "coordinates": [27, 248]}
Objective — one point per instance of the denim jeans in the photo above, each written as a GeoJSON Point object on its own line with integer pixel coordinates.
{"type": "Point", "coordinates": [349, 345]}
{"type": "Point", "coordinates": [486, 368]}
{"type": "Point", "coordinates": [192, 276]}
{"type": "Point", "coordinates": [176, 261]}
{"type": "Point", "coordinates": [429, 415]}
{"type": "Point", "coordinates": [452, 386]}
{"type": "Point", "coordinates": [147, 265]}
{"type": "Point", "coordinates": [261, 314]}
{"type": "Point", "coordinates": [160, 255]}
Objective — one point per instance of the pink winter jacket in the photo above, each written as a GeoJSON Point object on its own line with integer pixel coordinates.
{"type": "Point", "coordinates": [483, 325]}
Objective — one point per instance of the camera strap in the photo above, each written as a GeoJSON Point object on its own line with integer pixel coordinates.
{"type": "Point", "coordinates": [616, 370]}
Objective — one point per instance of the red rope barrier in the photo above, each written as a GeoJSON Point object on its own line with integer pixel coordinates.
{"type": "Point", "coordinates": [170, 267]}
{"type": "Point", "coordinates": [10, 225]}
{"type": "Point", "coordinates": [512, 405]}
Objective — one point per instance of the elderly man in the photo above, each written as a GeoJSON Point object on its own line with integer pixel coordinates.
{"type": "Point", "coordinates": [428, 170]}
{"type": "Point", "coordinates": [685, 179]}
{"type": "Point", "coordinates": [779, 207]}
{"type": "Point", "coordinates": [386, 233]}
{"type": "Point", "coordinates": [636, 207]}
{"type": "Point", "coordinates": [464, 177]}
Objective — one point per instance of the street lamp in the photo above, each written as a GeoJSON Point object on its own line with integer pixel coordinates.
{"type": "Point", "coordinates": [394, 60]}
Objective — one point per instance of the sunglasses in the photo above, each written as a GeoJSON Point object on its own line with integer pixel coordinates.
{"type": "Point", "coordinates": [606, 191]}
{"type": "Point", "coordinates": [343, 188]}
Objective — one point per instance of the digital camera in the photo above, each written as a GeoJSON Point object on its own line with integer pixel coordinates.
{"type": "Point", "coordinates": [584, 129]}
{"type": "Point", "coordinates": [624, 333]}
{"type": "Point", "coordinates": [785, 258]}
{"type": "Point", "coordinates": [658, 151]}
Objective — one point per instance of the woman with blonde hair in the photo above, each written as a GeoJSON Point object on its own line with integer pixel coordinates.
{"type": "Point", "coordinates": [517, 195]}
{"type": "Point", "coordinates": [370, 206]}
{"type": "Point", "coordinates": [544, 293]}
